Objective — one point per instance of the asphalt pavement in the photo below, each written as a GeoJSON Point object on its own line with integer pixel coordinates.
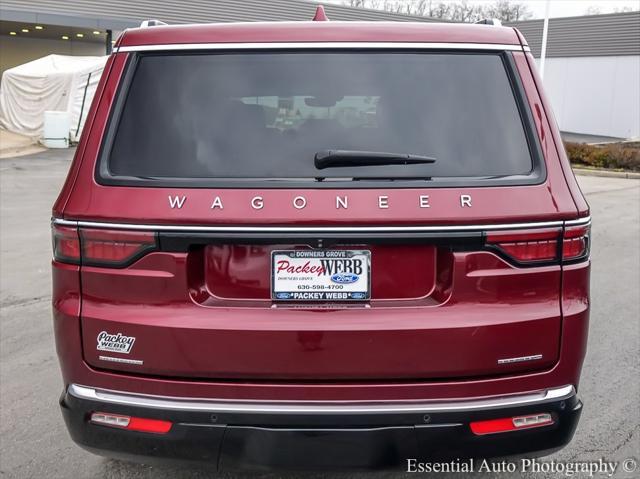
{"type": "Point", "coordinates": [35, 443]}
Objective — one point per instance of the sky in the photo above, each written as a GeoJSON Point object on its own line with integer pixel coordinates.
{"type": "Point", "coordinates": [571, 8]}
{"type": "Point", "coordinates": [561, 8]}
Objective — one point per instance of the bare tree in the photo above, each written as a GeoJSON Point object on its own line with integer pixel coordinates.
{"type": "Point", "coordinates": [593, 10]}
{"type": "Point", "coordinates": [438, 10]}
{"type": "Point", "coordinates": [459, 11]}
{"type": "Point", "coordinates": [625, 9]}
{"type": "Point", "coordinates": [506, 11]}
{"type": "Point", "coordinates": [463, 12]}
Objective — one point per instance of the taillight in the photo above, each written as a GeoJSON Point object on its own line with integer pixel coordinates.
{"type": "Point", "coordinates": [527, 246]}
{"type": "Point", "coordinates": [493, 426]}
{"type": "Point", "coordinates": [66, 244]}
{"type": "Point", "coordinates": [131, 423]}
{"type": "Point", "coordinates": [100, 247]}
{"type": "Point", "coordinates": [114, 248]}
{"type": "Point", "coordinates": [575, 244]}
{"type": "Point", "coordinates": [541, 246]}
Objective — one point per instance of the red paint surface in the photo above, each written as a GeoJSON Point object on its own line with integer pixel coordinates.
{"type": "Point", "coordinates": [485, 310]}
{"type": "Point", "coordinates": [200, 335]}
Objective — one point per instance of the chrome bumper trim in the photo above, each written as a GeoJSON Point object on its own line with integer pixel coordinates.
{"type": "Point", "coordinates": [311, 229]}
{"type": "Point", "coordinates": [308, 407]}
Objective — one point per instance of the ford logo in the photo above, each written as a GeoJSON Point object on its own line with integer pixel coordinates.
{"type": "Point", "coordinates": [345, 278]}
{"type": "Point", "coordinates": [283, 295]}
{"type": "Point", "coordinates": [358, 296]}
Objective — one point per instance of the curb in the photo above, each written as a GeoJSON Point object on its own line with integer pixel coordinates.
{"type": "Point", "coordinates": [632, 175]}
{"type": "Point", "coordinates": [9, 152]}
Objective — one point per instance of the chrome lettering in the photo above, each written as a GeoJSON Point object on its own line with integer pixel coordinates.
{"type": "Point", "coordinates": [175, 201]}
{"type": "Point", "coordinates": [257, 203]}
{"type": "Point", "coordinates": [217, 203]}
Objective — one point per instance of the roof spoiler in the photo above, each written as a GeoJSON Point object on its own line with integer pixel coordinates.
{"type": "Point", "coordinates": [490, 21]}
{"type": "Point", "coordinates": [151, 23]}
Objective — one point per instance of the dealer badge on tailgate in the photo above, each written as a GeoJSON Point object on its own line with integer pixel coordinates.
{"type": "Point", "coordinates": [115, 343]}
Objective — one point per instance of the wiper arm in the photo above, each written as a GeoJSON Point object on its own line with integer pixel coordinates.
{"type": "Point", "coordinates": [345, 158]}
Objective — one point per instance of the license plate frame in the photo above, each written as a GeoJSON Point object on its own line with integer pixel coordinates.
{"type": "Point", "coordinates": [325, 288]}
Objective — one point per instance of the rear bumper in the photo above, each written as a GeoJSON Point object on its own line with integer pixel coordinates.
{"type": "Point", "coordinates": [315, 435]}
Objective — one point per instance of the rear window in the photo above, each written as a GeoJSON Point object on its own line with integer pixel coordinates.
{"type": "Point", "coordinates": [224, 118]}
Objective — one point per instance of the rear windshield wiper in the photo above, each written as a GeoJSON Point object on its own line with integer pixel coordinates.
{"type": "Point", "coordinates": [346, 158]}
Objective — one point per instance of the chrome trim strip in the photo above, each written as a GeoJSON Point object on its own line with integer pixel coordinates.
{"type": "Point", "coordinates": [309, 407]}
{"type": "Point", "coordinates": [322, 45]}
{"type": "Point", "coordinates": [580, 221]}
{"type": "Point", "coordinates": [113, 359]}
{"type": "Point", "coordinates": [520, 359]}
{"type": "Point", "coordinates": [304, 229]}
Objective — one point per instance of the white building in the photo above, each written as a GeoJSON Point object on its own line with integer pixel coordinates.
{"type": "Point", "coordinates": [592, 72]}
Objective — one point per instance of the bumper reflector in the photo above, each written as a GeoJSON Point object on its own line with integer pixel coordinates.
{"type": "Point", "coordinates": [130, 423]}
{"type": "Point", "coordinates": [507, 424]}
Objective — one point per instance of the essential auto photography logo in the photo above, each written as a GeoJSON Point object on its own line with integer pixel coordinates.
{"type": "Point", "coordinates": [115, 343]}
{"type": "Point", "coordinates": [595, 468]}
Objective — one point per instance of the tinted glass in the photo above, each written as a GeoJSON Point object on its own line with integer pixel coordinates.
{"type": "Point", "coordinates": [265, 115]}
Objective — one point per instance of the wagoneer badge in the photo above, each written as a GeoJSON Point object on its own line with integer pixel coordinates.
{"type": "Point", "coordinates": [300, 202]}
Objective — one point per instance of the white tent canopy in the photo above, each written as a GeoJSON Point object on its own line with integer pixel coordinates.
{"type": "Point", "coordinates": [55, 82]}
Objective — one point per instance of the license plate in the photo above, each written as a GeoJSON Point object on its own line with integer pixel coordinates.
{"type": "Point", "coordinates": [321, 275]}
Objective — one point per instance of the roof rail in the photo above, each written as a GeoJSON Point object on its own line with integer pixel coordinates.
{"type": "Point", "coordinates": [151, 23]}
{"type": "Point", "coordinates": [490, 21]}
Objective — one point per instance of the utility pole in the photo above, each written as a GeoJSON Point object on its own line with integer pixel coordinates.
{"type": "Point", "coordinates": [545, 31]}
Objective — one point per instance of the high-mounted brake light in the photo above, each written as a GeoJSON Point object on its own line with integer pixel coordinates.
{"type": "Point", "coordinates": [100, 247]}
{"type": "Point", "coordinates": [131, 423]}
{"type": "Point", "coordinates": [493, 426]}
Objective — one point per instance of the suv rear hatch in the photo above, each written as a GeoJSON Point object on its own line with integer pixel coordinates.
{"type": "Point", "coordinates": [216, 248]}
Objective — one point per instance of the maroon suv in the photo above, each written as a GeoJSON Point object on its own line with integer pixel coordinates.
{"type": "Point", "coordinates": [320, 244]}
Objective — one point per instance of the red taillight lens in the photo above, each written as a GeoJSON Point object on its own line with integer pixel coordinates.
{"type": "Point", "coordinates": [576, 242]}
{"type": "Point", "coordinates": [107, 247]}
{"type": "Point", "coordinates": [542, 245]}
{"type": "Point", "coordinates": [493, 426]}
{"type": "Point", "coordinates": [100, 247]}
{"type": "Point", "coordinates": [149, 425]}
{"type": "Point", "coordinates": [115, 248]}
{"type": "Point", "coordinates": [527, 246]}
{"type": "Point", "coordinates": [131, 423]}
{"type": "Point", "coordinates": [66, 244]}
{"type": "Point", "coordinates": [531, 250]}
